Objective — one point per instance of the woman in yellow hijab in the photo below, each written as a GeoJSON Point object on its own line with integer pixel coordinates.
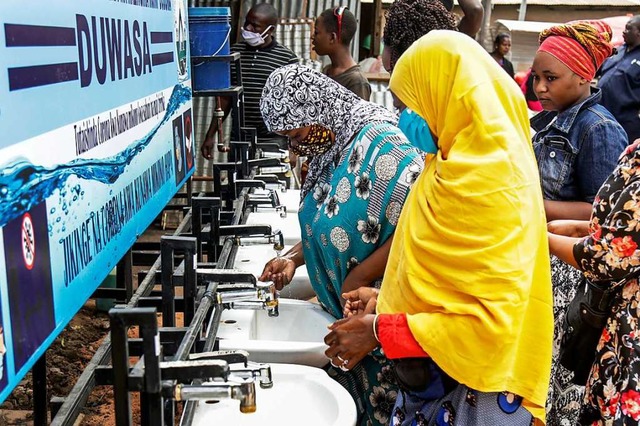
{"type": "Point", "coordinates": [465, 307]}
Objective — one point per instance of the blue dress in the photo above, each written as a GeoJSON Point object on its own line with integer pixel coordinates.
{"type": "Point", "coordinates": [351, 211]}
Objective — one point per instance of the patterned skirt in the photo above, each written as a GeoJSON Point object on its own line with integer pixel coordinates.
{"type": "Point", "coordinates": [372, 386]}
{"type": "Point", "coordinates": [564, 398]}
{"type": "Point", "coordinates": [446, 402]}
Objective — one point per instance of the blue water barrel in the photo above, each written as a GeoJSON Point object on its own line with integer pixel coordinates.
{"type": "Point", "coordinates": [209, 29]}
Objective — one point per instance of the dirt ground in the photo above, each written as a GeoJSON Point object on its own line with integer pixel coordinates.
{"type": "Point", "coordinates": [67, 358]}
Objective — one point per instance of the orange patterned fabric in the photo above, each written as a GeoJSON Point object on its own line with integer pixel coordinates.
{"type": "Point", "coordinates": [582, 45]}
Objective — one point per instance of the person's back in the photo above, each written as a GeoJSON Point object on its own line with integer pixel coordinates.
{"type": "Point", "coordinates": [260, 55]}
{"type": "Point", "coordinates": [333, 34]}
{"type": "Point", "coordinates": [620, 81]}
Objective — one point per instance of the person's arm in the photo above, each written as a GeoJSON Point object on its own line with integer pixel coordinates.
{"type": "Point", "coordinates": [207, 145]}
{"type": "Point", "coordinates": [472, 20]}
{"type": "Point", "coordinates": [578, 210]}
{"type": "Point", "coordinates": [351, 339]}
{"type": "Point", "coordinates": [396, 338]}
{"type": "Point", "coordinates": [371, 268]}
{"type": "Point", "coordinates": [610, 252]}
{"type": "Point", "coordinates": [562, 247]}
{"type": "Point", "coordinates": [600, 148]}
{"type": "Point", "coordinates": [296, 254]}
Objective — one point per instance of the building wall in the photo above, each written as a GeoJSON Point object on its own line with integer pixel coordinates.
{"type": "Point", "coordinates": [560, 14]}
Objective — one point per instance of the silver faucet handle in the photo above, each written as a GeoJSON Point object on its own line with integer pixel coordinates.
{"type": "Point", "coordinates": [278, 239]}
{"type": "Point", "coordinates": [255, 370]}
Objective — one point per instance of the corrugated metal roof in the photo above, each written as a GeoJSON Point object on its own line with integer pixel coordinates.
{"type": "Point", "coordinates": [572, 3]}
{"type": "Point", "coordinates": [525, 26]}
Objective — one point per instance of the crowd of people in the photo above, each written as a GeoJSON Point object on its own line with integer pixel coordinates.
{"type": "Point", "coordinates": [445, 240]}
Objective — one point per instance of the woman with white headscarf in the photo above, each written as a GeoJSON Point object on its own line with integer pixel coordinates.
{"type": "Point", "coordinates": [360, 173]}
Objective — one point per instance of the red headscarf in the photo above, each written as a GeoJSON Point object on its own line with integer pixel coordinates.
{"type": "Point", "coordinates": [581, 45]}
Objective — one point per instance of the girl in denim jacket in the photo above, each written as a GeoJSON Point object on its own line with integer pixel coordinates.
{"type": "Point", "coordinates": [576, 152]}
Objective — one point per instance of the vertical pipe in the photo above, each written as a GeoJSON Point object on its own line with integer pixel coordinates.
{"type": "Point", "coordinates": [522, 13]}
{"type": "Point", "coordinates": [39, 373]}
{"type": "Point", "coordinates": [168, 291]}
{"type": "Point", "coordinates": [120, 362]}
{"type": "Point", "coordinates": [486, 23]}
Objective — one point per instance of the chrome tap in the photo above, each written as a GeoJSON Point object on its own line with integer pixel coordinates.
{"type": "Point", "coordinates": [257, 296]}
{"type": "Point", "coordinates": [278, 241]}
{"type": "Point", "coordinates": [244, 391]}
{"type": "Point", "coordinates": [256, 371]}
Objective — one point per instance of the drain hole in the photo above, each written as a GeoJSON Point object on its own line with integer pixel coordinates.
{"type": "Point", "coordinates": [245, 260]}
{"type": "Point", "coordinates": [211, 401]}
{"type": "Point", "coordinates": [229, 321]}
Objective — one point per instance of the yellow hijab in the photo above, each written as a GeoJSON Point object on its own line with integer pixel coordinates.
{"type": "Point", "coordinates": [470, 261]}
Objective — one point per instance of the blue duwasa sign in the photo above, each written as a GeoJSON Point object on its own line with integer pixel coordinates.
{"type": "Point", "coordinates": [95, 139]}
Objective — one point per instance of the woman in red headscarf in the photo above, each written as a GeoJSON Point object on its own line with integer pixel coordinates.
{"type": "Point", "coordinates": [576, 153]}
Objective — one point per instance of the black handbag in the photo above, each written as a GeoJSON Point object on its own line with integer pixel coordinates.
{"type": "Point", "coordinates": [584, 321]}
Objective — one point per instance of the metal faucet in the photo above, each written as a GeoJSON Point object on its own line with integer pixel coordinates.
{"type": "Point", "coordinates": [247, 369]}
{"type": "Point", "coordinates": [278, 241]}
{"type": "Point", "coordinates": [255, 371]}
{"type": "Point", "coordinates": [271, 199]}
{"type": "Point", "coordinates": [257, 296]}
{"type": "Point", "coordinates": [244, 391]}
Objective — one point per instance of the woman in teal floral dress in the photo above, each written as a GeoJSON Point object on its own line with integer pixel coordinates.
{"type": "Point", "coordinates": [361, 170]}
{"type": "Point", "coordinates": [609, 252]}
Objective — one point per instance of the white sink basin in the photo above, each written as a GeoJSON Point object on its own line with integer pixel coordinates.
{"type": "Point", "coordinates": [296, 336]}
{"type": "Point", "coordinates": [300, 395]}
{"type": "Point", "coordinates": [252, 258]}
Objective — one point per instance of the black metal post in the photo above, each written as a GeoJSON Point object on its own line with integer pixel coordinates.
{"type": "Point", "coordinates": [124, 274]}
{"type": "Point", "coordinates": [39, 373]}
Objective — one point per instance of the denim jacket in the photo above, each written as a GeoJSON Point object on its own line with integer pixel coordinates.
{"type": "Point", "coordinates": [578, 150]}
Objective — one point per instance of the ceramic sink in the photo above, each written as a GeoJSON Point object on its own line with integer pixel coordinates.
{"type": "Point", "coordinates": [296, 336]}
{"type": "Point", "coordinates": [300, 395]}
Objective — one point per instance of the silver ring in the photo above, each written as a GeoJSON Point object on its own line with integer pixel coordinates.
{"type": "Point", "coordinates": [332, 364]}
{"type": "Point", "coordinates": [343, 368]}
{"type": "Point", "coordinates": [341, 360]}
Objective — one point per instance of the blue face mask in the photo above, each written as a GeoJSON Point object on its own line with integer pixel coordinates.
{"type": "Point", "coordinates": [417, 131]}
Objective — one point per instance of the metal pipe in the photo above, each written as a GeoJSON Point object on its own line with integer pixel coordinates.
{"type": "Point", "coordinates": [244, 392]}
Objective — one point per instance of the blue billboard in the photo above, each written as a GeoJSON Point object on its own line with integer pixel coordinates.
{"type": "Point", "coordinates": [96, 125]}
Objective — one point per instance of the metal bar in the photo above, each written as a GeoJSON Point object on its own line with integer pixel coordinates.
{"type": "Point", "coordinates": [39, 373]}
{"type": "Point", "coordinates": [152, 412]}
{"type": "Point", "coordinates": [78, 396]}
{"type": "Point", "coordinates": [120, 360]}
{"type": "Point", "coordinates": [168, 292]}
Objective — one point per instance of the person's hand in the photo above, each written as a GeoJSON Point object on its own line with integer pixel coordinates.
{"type": "Point", "coordinates": [360, 301]}
{"type": "Point", "coordinates": [350, 340]}
{"type": "Point", "coordinates": [569, 228]}
{"type": "Point", "coordinates": [280, 270]}
{"type": "Point", "coordinates": [207, 148]}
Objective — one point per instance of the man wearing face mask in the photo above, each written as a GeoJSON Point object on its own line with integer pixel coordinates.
{"type": "Point", "coordinates": [260, 54]}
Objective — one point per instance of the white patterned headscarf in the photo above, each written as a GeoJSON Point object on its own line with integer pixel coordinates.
{"type": "Point", "coordinates": [296, 96]}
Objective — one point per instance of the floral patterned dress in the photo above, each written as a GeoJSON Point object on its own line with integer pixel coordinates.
{"type": "Point", "coordinates": [350, 212]}
{"type": "Point", "coordinates": [610, 253]}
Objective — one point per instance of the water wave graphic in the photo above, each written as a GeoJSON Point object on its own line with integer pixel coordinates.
{"type": "Point", "coordinates": [24, 185]}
